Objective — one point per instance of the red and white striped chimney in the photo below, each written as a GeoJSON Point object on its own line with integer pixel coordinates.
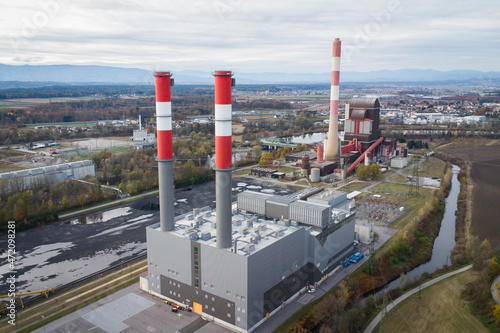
{"type": "Point", "coordinates": [332, 147]}
{"type": "Point", "coordinates": [223, 157]}
{"type": "Point", "coordinates": [163, 82]}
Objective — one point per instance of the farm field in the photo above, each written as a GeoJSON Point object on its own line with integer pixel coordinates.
{"type": "Point", "coordinates": [485, 175]}
{"type": "Point", "coordinates": [440, 309]}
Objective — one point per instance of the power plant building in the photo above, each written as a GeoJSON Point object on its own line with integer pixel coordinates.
{"type": "Point", "coordinates": [270, 259]}
{"type": "Point", "coordinates": [239, 264]}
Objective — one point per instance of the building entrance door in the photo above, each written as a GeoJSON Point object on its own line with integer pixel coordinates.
{"type": "Point", "coordinates": [198, 308]}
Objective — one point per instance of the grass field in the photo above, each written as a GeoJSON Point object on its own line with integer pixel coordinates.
{"type": "Point", "coordinates": [432, 167]}
{"type": "Point", "coordinates": [67, 124]}
{"type": "Point", "coordinates": [440, 309]}
{"type": "Point", "coordinates": [354, 186]}
{"type": "Point", "coordinates": [20, 103]}
{"type": "Point", "coordinates": [241, 172]}
{"type": "Point", "coordinates": [10, 153]}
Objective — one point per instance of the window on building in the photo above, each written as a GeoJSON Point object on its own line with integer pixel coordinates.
{"type": "Point", "coordinates": [242, 298]}
{"type": "Point", "coordinates": [206, 306]}
{"type": "Point", "coordinates": [238, 308]}
{"type": "Point", "coordinates": [238, 319]}
{"type": "Point", "coordinates": [212, 286]}
{"type": "Point", "coordinates": [213, 299]}
{"type": "Point", "coordinates": [243, 310]}
{"type": "Point", "coordinates": [229, 315]}
{"type": "Point", "coordinates": [213, 309]}
{"type": "Point", "coordinates": [206, 296]}
{"type": "Point", "coordinates": [228, 292]}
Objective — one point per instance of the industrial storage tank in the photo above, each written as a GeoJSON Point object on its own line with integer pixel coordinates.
{"type": "Point", "coordinates": [368, 158]}
{"type": "Point", "coordinates": [315, 175]}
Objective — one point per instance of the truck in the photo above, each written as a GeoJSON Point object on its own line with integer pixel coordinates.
{"type": "Point", "coordinates": [356, 257]}
{"type": "Point", "coordinates": [346, 263]}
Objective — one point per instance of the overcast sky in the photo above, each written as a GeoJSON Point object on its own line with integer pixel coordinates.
{"type": "Point", "coordinates": [253, 35]}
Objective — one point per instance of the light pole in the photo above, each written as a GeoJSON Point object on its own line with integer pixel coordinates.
{"type": "Point", "coordinates": [43, 319]}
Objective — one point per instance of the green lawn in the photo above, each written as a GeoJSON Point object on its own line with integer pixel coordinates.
{"type": "Point", "coordinates": [286, 169]}
{"type": "Point", "coordinates": [432, 167]}
{"type": "Point", "coordinates": [241, 172]}
{"type": "Point", "coordinates": [354, 186]}
{"type": "Point", "coordinates": [440, 309]}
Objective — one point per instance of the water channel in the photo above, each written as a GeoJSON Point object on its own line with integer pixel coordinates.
{"type": "Point", "coordinates": [443, 243]}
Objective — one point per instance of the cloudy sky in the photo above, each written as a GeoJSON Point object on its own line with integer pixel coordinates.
{"type": "Point", "coordinates": [253, 35]}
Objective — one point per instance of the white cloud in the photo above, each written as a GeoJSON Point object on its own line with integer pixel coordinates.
{"type": "Point", "coordinates": [253, 36]}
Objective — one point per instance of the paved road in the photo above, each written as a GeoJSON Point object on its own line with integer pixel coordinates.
{"type": "Point", "coordinates": [412, 292]}
{"type": "Point", "coordinates": [93, 208]}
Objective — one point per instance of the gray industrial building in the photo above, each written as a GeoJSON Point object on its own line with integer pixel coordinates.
{"type": "Point", "coordinates": [239, 264]}
{"type": "Point", "coordinates": [21, 180]}
{"type": "Point", "coordinates": [280, 244]}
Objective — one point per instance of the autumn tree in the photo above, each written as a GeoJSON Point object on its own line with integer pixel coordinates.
{"type": "Point", "coordinates": [266, 159]}
{"type": "Point", "coordinates": [363, 172]}
{"type": "Point", "coordinates": [374, 170]}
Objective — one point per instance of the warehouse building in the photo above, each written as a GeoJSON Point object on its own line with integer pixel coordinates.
{"type": "Point", "coordinates": [16, 181]}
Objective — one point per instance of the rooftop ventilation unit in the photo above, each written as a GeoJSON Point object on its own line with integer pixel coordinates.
{"type": "Point", "coordinates": [249, 248]}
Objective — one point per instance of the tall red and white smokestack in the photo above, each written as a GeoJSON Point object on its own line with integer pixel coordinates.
{"type": "Point", "coordinates": [163, 82]}
{"type": "Point", "coordinates": [223, 157]}
{"type": "Point", "coordinates": [332, 147]}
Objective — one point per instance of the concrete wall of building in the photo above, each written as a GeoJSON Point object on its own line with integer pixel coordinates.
{"type": "Point", "coordinates": [271, 265]}
{"type": "Point", "coordinates": [168, 255]}
{"type": "Point", "coordinates": [333, 248]}
{"type": "Point", "coordinates": [225, 274]}
{"type": "Point", "coordinates": [364, 232]}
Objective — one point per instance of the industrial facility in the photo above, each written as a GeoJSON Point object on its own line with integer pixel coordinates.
{"type": "Point", "coordinates": [239, 264]}
{"type": "Point", "coordinates": [17, 181]}
{"type": "Point", "coordinates": [363, 141]}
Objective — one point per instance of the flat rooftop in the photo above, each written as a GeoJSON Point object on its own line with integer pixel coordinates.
{"type": "Point", "coordinates": [246, 229]}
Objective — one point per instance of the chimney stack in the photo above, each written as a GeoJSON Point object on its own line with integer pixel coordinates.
{"type": "Point", "coordinates": [163, 82]}
{"type": "Point", "coordinates": [223, 157]}
{"type": "Point", "coordinates": [332, 148]}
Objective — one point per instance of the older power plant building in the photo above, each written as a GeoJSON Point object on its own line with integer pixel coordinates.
{"type": "Point", "coordinates": [362, 135]}
{"type": "Point", "coordinates": [238, 264]}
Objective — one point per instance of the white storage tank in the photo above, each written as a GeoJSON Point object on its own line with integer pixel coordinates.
{"type": "Point", "coordinates": [315, 175]}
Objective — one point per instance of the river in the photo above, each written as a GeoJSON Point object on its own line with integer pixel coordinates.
{"type": "Point", "coordinates": [444, 242]}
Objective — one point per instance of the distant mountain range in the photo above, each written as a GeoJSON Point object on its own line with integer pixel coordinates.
{"type": "Point", "coordinates": [73, 74]}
